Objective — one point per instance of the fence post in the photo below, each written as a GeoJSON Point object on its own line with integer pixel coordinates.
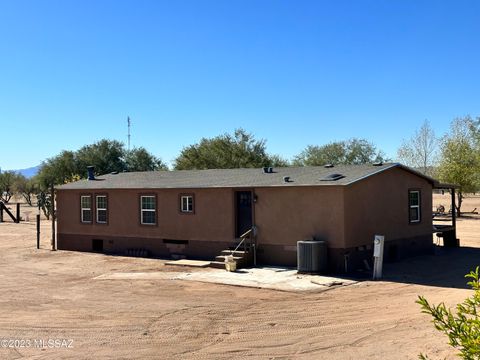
{"type": "Point", "coordinates": [38, 231]}
{"type": "Point", "coordinates": [18, 213]}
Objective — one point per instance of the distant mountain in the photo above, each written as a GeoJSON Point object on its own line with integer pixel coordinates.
{"type": "Point", "coordinates": [30, 172]}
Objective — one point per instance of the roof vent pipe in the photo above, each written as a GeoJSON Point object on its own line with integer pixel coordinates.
{"type": "Point", "coordinates": [270, 170]}
{"type": "Point", "coordinates": [91, 174]}
{"type": "Point", "coordinates": [265, 170]}
{"type": "Point", "coordinates": [378, 163]}
{"type": "Point", "coordinates": [328, 165]}
{"type": "Point", "coordinates": [286, 179]}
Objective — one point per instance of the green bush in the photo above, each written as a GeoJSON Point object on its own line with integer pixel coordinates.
{"type": "Point", "coordinates": [462, 326]}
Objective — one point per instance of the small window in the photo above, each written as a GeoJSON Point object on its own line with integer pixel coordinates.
{"type": "Point", "coordinates": [414, 206]}
{"type": "Point", "coordinates": [245, 199]}
{"type": "Point", "coordinates": [186, 204]}
{"type": "Point", "coordinates": [148, 210]}
{"type": "Point", "coordinates": [86, 208]}
{"type": "Point", "coordinates": [101, 209]}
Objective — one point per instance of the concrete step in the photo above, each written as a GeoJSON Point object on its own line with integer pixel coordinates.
{"type": "Point", "coordinates": [217, 264]}
{"type": "Point", "coordinates": [241, 248]}
{"type": "Point", "coordinates": [246, 255]}
{"type": "Point", "coordinates": [222, 258]}
{"type": "Point", "coordinates": [242, 257]}
{"type": "Point", "coordinates": [234, 253]}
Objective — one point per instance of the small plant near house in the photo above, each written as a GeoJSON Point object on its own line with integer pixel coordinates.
{"type": "Point", "coordinates": [462, 326]}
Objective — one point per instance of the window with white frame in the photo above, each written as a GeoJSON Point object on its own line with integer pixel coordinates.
{"type": "Point", "coordinates": [101, 209]}
{"type": "Point", "coordinates": [148, 210]}
{"type": "Point", "coordinates": [186, 203]}
{"type": "Point", "coordinates": [86, 208]}
{"type": "Point", "coordinates": [414, 205]}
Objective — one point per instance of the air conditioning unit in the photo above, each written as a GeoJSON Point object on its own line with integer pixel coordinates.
{"type": "Point", "coordinates": [312, 256]}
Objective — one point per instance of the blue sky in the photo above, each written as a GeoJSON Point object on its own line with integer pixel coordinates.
{"type": "Point", "coordinates": [292, 72]}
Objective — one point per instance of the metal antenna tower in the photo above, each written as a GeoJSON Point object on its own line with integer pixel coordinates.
{"type": "Point", "coordinates": [128, 121]}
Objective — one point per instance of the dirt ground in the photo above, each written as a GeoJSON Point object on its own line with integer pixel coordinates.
{"type": "Point", "coordinates": [47, 296]}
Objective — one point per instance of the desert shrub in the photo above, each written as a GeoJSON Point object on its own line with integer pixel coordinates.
{"type": "Point", "coordinates": [461, 326]}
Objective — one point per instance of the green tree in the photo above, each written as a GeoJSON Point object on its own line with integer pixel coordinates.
{"type": "Point", "coordinates": [313, 155]}
{"type": "Point", "coordinates": [59, 169]}
{"type": "Point", "coordinates": [475, 131]}
{"type": "Point", "coordinates": [475, 128]}
{"type": "Point", "coordinates": [421, 150]}
{"type": "Point", "coordinates": [105, 155]}
{"type": "Point", "coordinates": [278, 161]}
{"type": "Point", "coordinates": [353, 151]}
{"type": "Point", "coordinates": [461, 327]}
{"type": "Point", "coordinates": [28, 188]}
{"type": "Point", "coordinates": [139, 159]}
{"type": "Point", "coordinates": [240, 150]}
{"type": "Point", "coordinates": [360, 151]}
{"type": "Point", "coordinates": [460, 162]}
{"type": "Point", "coordinates": [8, 180]}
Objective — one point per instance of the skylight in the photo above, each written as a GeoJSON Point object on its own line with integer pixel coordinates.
{"type": "Point", "coordinates": [332, 177]}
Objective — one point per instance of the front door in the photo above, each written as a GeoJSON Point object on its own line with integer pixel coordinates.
{"type": "Point", "coordinates": [244, 213]}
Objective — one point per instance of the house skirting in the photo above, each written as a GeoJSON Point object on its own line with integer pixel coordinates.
{"type": "Point", "coordinates": [156, 247]}
{"type": "Point", "coordinates": [340, 260]}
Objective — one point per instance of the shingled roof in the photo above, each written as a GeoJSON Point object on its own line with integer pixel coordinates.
{"type": "Point", "coordinates": [237, 178]}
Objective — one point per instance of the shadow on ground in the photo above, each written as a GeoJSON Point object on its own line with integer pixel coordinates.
{"type": "Point", "coordinates": [446, 268]}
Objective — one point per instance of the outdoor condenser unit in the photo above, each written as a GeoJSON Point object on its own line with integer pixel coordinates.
{"type": "Point", "coordinates": [311, 256]}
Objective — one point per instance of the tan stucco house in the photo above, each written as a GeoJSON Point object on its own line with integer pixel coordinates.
{"type": "Point", "coordinates": [199, 213]}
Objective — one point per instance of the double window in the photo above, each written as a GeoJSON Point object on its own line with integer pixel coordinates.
{"type": "Point", "coordinates": [148, 210]}
{"type": "Point", "coordinates": [414, 215]}
{"type": "Point", "coordinates": [87, 209]}
{"type": "Point", "coordinates": [186, 204]}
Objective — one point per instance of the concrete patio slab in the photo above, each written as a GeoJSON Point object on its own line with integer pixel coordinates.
{"type": "Point", "coordinates": [186, 262]}
{"type": "Point", "coordinates": [139, 276]}
{"type": "Point", "coordinates": [283, 279]}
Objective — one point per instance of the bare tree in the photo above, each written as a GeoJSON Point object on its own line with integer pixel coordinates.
{"type": "Point", "coordinates": [421, 150]}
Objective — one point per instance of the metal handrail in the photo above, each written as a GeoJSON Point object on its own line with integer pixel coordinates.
{"type": "Point", "coordinates": [243, 237]}
{"type": "Point", "coordinates": [246, 233]}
